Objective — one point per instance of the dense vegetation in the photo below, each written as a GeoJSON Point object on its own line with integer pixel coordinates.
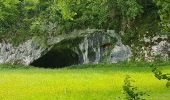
{"type": "Point", "coordinates": [22, 19]}
{"type": "Point", "coordinates": [164, 13]}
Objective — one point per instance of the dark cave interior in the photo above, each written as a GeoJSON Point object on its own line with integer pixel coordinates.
{"type": "Point", "coordinates": [57, 58]}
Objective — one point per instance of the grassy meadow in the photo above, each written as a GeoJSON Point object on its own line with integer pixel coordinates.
{"type": "Point", "coordinates": [82, 82]}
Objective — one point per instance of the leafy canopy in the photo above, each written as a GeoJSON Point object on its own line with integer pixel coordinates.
{"type": "Point", "coordinates": [164, 13]}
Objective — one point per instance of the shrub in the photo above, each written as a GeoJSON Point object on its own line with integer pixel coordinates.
{"type": "Point", "coordinates": [131, 92]}
{"type": "Point", "coordinates": [159, 75]}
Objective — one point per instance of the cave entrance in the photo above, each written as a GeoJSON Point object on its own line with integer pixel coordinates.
{"type": "Point", "coordinates": [57, 58]}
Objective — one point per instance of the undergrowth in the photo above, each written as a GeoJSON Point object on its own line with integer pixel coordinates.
{"type": "Point", "coordinates": [131, 92]}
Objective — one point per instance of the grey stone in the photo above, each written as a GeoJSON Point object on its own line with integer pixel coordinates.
{"type": "Point", "coordinates": [91, 46]}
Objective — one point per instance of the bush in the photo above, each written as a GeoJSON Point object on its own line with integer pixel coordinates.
{"type": "Point", "coordinates": [131, 92]}
{"type": "Point", "coordinates": [159, 75]}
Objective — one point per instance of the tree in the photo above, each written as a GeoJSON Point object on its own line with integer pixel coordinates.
{"type": "Point", "coordinates": [8, 14]}
{"type": "Point", "coordinates": [164, 13]}
{"type": "Point", "coordinates": [50, 17]}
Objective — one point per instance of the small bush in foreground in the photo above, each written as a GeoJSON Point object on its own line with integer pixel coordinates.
{"type": "Point", "coordinates": [159, 75]}
{"type": "Point", "coordinates": [131, 92]}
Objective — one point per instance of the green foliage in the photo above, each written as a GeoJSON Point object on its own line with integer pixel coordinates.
{"type": "Point", "coordinates": [27, 18]}
{"type": "Point", "coordinates": [8, 14]}
{"type": "Point", "coordinates": [164, 13]}
{"type": "Point", "coordinates": [159, 75]}
{"type": "Point", "coordinates": [15, 18]}
{"type": "Point", "coordinates": [129, 8]}
{"type": "Point", "coordinates": [131, 91]}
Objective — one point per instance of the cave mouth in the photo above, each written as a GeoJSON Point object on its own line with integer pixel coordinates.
{"type": "Point", "coordinates": [57, 58]}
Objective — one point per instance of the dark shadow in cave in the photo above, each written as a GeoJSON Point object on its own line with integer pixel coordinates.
{"type": "Point", "coordinates": [57, 59]}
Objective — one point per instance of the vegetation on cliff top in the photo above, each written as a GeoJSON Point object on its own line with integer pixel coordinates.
{"type": "Point", "coordinates": [22, 19]}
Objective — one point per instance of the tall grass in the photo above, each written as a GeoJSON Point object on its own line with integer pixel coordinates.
{"type": "Point", "coordinates": [82, 82]}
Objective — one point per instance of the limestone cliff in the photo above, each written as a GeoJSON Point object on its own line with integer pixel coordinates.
{"type": "Point", "coordinates": [87, 46]}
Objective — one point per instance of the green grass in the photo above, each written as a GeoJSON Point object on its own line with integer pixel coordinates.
{"type": "Point", "coordinates": [85, 82]}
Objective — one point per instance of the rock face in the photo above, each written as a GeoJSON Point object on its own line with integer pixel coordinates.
{"type": "Point", "coordinates": [82, 47]}
{"type": "Point", "coordinates": [120, 53]}
{"type": "Point", "coordinates": [155, 48]}
{"type": "Point", "coordinates": [25, 53]}
{"type": "Point", "coordinates": [88, 46]}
